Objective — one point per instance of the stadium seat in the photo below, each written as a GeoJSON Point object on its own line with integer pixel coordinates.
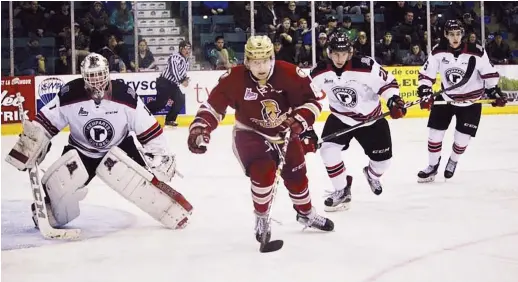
{"type": "Point", "coordinates": [223, 19]}
{"type": "Point", "coordinates": [47, 42]}
{"type": "Point", "coordinates": [355, 18]}
{"type": "Point", "coordinates": [207, 38]}
{"type": "Point", "coordinates": [235, 37]}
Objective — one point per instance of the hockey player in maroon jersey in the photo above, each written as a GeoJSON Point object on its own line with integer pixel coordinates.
{"type": "Point", "coordinates": [450, 59]}
{"type": "Point", "coordinates": [269, 98]}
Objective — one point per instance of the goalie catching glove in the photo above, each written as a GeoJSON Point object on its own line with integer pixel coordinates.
{"type": "Point", "coordinates": [161, 162]}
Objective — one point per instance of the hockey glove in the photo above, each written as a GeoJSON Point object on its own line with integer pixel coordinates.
{"type": "Point", "coordinates": [496, 93]}
{"type": "Point", "coordinates": [309, 141]}
{"type": "Point", "coordinates": [292, 124]}
{"type": "Point", "coordinates": [424, 91]}
{"type": "Point", "coordinates": [199, 137]}
{"type": "Point", "coordinates": [396, 106]}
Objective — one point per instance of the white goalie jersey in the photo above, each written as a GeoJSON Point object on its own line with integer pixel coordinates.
{"type": "Point", "coordinates": [354, 93]}
{"type": "Point", "coordinates": [94, 129]}
{"type": "Point", "coordinates": [452, 70]}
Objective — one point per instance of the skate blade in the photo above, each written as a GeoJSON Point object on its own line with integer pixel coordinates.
{"type": "Point", "coordinates": [340, 207]}
{"type": "Point", "coordinates": [426, 180]}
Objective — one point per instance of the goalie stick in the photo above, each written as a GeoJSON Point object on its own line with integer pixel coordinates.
{"type": "Point", "coordinates": [46, 230]}
{"type": "Point", "coordinates": [275, 245]}
{"type": "Point", "coordinates": [469, 72]}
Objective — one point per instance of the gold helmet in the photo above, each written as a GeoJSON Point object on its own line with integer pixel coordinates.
{"type": "Point", "coordinates": [259, 47]}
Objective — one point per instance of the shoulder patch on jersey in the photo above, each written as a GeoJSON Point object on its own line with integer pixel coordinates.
{"type": "Point", "coordinates": [73, 92]}
{"type": "Point", "coordinates": [132, 92]}
{"type": "Point", "coordinates": [439, 48]}
{"type": "Point", "coordinates": [124, 94]}
{"type": "Point", "coordinates": [361, 63]}
{"type": "Point", "coordinates": [366, 61]}
{"type": "Point", "coordinates": [301, 73]}
{"type": "Point", "coordinates": [64, 90]}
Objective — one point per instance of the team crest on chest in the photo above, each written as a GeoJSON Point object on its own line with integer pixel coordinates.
{"type": "Point", "coordinates": [454, 75]}
{"type": "Point", "coordinates": [271, 113]}
{"type": "Point", "coordinates": [346, 96]}
{"type": "Point", "coordinates": [98, 132]}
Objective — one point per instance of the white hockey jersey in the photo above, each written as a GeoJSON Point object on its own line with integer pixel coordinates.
{"type": "Point", "coordinates": [354, 93]}
{"type": "Point", "coordinates": [452, 70]}
{"type": "Point", "coordinates": [94, 129]}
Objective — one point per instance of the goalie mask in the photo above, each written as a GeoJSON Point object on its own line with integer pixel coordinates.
{"type": "Point", "coordinates": [96, 74]}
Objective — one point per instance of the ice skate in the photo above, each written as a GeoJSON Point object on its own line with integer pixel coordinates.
{"type": "Point", "coordinates": [375, 184]}
{"type": "Point", "coordinates": [450, 169]}
{"type": "Point", "coordinates": [339, 200]}
{"type": "Point", "coordinates": [262, 226]}
{"type": "Point", "coordinates": [171, 124]}
{"type": "Point", "coordinates": [314, 220]}
{"type": "Point", "coordinates": [428, 174]}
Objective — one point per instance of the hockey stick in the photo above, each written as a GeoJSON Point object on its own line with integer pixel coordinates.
{"type": "Point", "coordinates": [46, 230]}
{"type": "Point", "coordinates": [266, 245]}
{"type": "Point", "coordinates": [469, 72]}
{"type": "Point", "coordinates": [464, 102]}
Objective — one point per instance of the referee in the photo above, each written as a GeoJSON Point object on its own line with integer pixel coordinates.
{"type": "Point", "coordinates": [167, 84]}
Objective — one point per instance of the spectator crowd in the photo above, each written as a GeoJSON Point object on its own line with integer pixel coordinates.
{"type": "Point", "coordinates": [400, 33]}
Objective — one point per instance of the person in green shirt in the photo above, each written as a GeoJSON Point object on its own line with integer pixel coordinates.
{"type": "Point", "coordinates": [347, 29]}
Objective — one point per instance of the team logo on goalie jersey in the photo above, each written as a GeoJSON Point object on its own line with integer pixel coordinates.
{"type": "Point", "coordinates": [271, 114]}
{"type": "Point", "coordinates": [454, 75]}
{"type": "Point", "coordinates": [99, 132]}
{"type": "Point", "coordinates": [346, 96]}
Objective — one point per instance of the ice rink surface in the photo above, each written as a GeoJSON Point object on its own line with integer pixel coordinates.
{"type": "Point", "coordinates": [465, 229]}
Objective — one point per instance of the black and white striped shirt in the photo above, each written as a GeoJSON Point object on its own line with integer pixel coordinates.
{"type": "Point", "coordinates": [176, 69]}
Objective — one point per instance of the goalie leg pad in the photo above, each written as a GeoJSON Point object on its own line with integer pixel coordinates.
{"type": "Point", "coordinates": [64, 184]}
{"type": "Point", "coordinates": [141, 187]}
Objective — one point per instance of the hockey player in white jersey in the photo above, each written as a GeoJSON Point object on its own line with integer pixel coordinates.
{"type": "Point", "coordinates": [102, 114]}
{"type": "Point", "coordinates": [450, 60]}
{"type": "Point", "coordinates": [354, 85]}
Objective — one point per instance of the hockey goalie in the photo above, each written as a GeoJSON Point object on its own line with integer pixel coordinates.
{"type": "Point", "coordinates": [103, 116]}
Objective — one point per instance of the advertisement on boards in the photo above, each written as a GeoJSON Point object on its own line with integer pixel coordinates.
{"type": "Point", "coordinates": [144, 84]}
{"type": "Point", "coordinates": [202, 83]}
{"type": "Point", "coordinates": [509, 82]}
{"type": "Point", "coordinates": [11, 86]}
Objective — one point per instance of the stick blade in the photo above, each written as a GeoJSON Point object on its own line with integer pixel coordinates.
{"type": "Point", "coordinates": [61, 234]}
{"type": "Point", "coordinates": [271, 246]}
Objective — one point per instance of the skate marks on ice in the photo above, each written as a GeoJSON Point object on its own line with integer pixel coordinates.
{"type": "Point", "coordinates": [384, 274]}
{"type": "Point", "coordinates": [18, 230]}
